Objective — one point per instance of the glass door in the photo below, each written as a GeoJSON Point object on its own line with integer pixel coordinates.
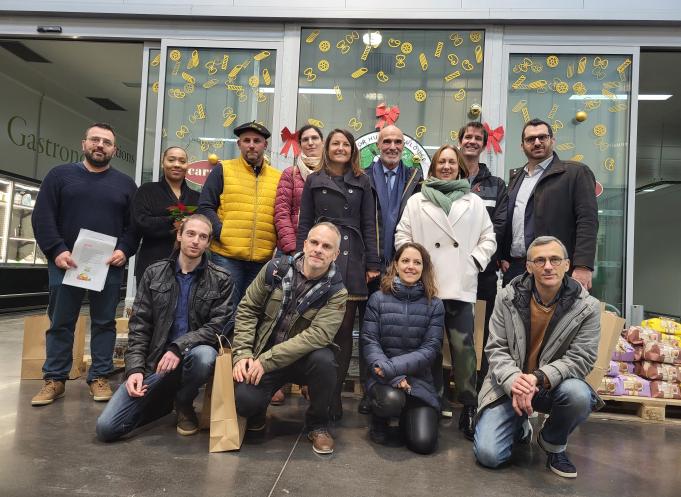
{"type": "Point", "coordinates": [586, 95]}
{"type": "Point", "coordinates": [208, 88]}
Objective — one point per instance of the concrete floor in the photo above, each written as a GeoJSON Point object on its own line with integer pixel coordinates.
{"type": "Point", "coordinates": [52, 451]}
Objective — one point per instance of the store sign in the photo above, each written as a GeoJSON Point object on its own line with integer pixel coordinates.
{"type": "Point", "coordinates": [197, 172]}
{"type": "Point", "coordinates": [413, 154]}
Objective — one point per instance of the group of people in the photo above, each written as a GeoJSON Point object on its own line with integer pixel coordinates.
{"type": "Point", "coordinates": [283, 263]}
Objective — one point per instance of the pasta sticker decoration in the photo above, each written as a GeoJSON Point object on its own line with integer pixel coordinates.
{"type": "Point", "coordinates": [312, 36]}
{"type": "Point", "coordinates": [194, 61]}
{"type": "Point", "coordinates": [438, 49]}
{"type": "Point", "coordinates": [467, 65]}
{"type": "Point", "coordinates": [475, 36]}
{"type": "Point", "coordinates": [600, 130]}
{"type": "Point", "coordinates": [382, 77]}
{"type": "Point", "coordinates": [266, 77]}
{"type": "Point", "coordinates": [400, 61]}
{"type": "Point", "coordinates": [175, 55]}
{"type": "Point", "coordinates": [339, 93]}
{"type": "Point", "coordinates": [460, 95]}
{"type": "Point", "coordinates": [324, 45]}
{"type": "Point", "coordinates": [454, 135]}
{"type": "Point", "coordinates": [188, 78]}
{"type": "Point", "coordinates": [365, 53]}
{"type": "Point", "coordinates": [406, 48]}
{"type": "Point", "coordinates": [581, 65]}
{"type": "Point", "coordinates": [453, 59]}
{"type": "Point", "coordinates": [262, 55]}
{"type": "Point", "coordinates": [423, 61]}
{"type": "Point", "coordinates": [552, 61]}
{"type": "Point", "coordinates": [519, 105]}
{"type": "Point", "coordinates": [309, 74]}
{"type": "Point", "coordinates": [478, 54]}
{"type": "Point", "coordinates": [355, 124]}
{"type": "Point", "coordinates": [359, 73]}
{"type": "Point", "coordinates": [182, 131]}
{"type": "Point", "coordinates": [456, 38]}
{"type": "Point", "coordinates": [420, 131]}
{"type": "Point", "coordinates": [452, 76]}
{"type": "Point", "coordinates": [225, 62]}
{"type": "Point", "coordinates": [156, 60]}
{"type": "Point", "coordinates": [420, 95]}
{"type": "Point", "coordinates": [323, 65]}
{"type": "Point", "coordinates": [609, 164]}
{"type": "Point", "coordinates": [211, 66]}
{"type": "Point", "coordinates": [316, 122]}
{"type": "Point", "coordinates": [393, 43]}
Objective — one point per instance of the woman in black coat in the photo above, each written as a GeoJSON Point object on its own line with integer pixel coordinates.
{"type": "Point", "coordinates": [340, 192]}
{"type": "Point", "coordinates": [150, 209]}
{"type": "Point", "coordinates": [401, 338]}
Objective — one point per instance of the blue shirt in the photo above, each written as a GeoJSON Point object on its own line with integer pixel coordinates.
{"type": "Point", "coordinates": [390, 175]}
{"type": "Point", "coordinates": [180, 324]}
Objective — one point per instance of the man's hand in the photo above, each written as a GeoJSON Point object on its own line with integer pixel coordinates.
{"type": "Point", "coordinates": [240, 372]}
{"type": "Point", "coordinates": [372, 275]}
{"type": "Point", "coordinates": [64, 260]}
{"type": "Point", "coordinates": [378, 372]}
{"type": "Point", "coordinates": [504, 265]}
{"type": "Point", "coordinates": [255, 372]}
{"type": "Point", "coordinates": [523, 389]}
{"type": "Point", "coordinates": [117, 259]}
{"type": "Point", "coordinates": [583, 275]}
{"type": "Point", "coordinates": [134, 385]}
{"type": "Point", "coordinates": [168, 363]}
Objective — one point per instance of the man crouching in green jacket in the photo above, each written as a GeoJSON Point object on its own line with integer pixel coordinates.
{"type": "Point", "coordinates": [284, 332]}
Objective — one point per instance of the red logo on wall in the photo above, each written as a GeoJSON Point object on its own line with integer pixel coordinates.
{"type": "Point", "coordinates": [599, 189]}
{"type": "Point", "coordinates": [197, 172]}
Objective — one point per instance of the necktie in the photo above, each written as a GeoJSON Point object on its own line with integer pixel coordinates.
{"type": "Point", "coordinates": [389, 179]}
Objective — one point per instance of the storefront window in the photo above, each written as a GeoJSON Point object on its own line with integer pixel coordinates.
{"type": "Point", "coordinates": [433, 77]}
{"type": "Point", "coordinates": [153, 71]}
{"type": "Point", "coordinates": [210, 91]}
{"type": "Point", "coordinates": [586, 99]}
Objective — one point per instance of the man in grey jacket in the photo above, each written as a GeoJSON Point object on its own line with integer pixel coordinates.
{"type": "Point", "coordinates": [182, 304]}
{"type": "Point", "coordinates": [543, 341]}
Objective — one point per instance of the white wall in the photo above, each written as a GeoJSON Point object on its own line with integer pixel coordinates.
{"type": "Point", "coordinates": [38, 133]}
{"type": "Point", "coordinates": [657, 272]}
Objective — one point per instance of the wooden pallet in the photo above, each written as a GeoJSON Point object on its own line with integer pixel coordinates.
{"type": "Point", "coordinates": [649, 409]}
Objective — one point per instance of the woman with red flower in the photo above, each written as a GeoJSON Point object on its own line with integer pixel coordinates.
{"type": "Point", "coordinates": [159, 207]}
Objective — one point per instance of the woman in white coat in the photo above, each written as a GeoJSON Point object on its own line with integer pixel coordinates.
{"type": "Point", "coordinates": [454, 226]}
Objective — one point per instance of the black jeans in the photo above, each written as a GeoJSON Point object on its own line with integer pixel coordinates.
{"type": "Point", "coordinates": [344, 340]}
{"type": "Point", "coordinates": [317, 370]}
{"type": "Point", "coordinates": [489, 295]}
{"type": "Point", "coordinates": [418, 420]}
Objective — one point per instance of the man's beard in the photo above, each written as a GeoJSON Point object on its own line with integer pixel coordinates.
{"type": "Point", "coordinates": [99, 163]}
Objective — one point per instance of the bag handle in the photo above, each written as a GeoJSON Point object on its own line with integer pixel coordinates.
{"type": "Point", "coordinates": [222, 349]}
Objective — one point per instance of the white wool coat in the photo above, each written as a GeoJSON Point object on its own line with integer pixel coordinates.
{"type": "Point", "coordinates": [455, 241]}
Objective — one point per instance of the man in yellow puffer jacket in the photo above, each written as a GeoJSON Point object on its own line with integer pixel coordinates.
{"type": "Point", "coordinates": [238, 198]}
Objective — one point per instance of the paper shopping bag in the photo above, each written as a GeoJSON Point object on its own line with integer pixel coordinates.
{"type": "Point", "coordinates": [611, 329]}
{"type": "Point", "coordinates": [33, 354]}
{"type": "Point", "coordinates": [227, 430]}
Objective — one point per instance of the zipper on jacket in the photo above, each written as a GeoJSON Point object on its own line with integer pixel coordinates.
{"type": "Point", "coordinates": [255, 212]}
{"type": "Point", "coordinates": [406, 187]}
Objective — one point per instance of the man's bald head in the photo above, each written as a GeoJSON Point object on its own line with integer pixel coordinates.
{"type": "Point", "coordinates": [391, 145]}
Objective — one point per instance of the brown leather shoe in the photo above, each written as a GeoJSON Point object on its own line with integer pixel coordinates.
{"type": "Point", "coordinates": [100, 390]}
{"type": "Point", "coordinates": [51, 391]}
{"type": "Point", "coordinates": [322, 441]}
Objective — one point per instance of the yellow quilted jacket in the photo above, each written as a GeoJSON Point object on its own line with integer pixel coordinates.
{"type": "Point", "coordinates": [247, 212]}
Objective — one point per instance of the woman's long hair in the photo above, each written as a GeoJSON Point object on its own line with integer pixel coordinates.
{"type": "Point", "coordinates": [354, 153]}
{"type": "Point", "coordinates": [427, 274]}
{"type": "Point", "coordinates": [463, 169]}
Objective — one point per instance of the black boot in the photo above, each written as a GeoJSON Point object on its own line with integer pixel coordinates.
{"type": "Point", "coordinates": [378, 431]}
{"type": "Point", "coordinates": [364, 406]}
{"type": "Point", "coordinates": [467, 421]}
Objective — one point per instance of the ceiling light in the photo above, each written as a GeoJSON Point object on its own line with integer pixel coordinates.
{"type": "Point", "coordinates": [323, 91]}
{"type": "Point", "coordinates": [654, 97]}
{"type": "Point", "coordinates": [374, 39]}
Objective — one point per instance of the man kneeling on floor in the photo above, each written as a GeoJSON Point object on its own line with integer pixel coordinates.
{"type": "Point", "coordinates": [544, 335]}
{"type": "Point", "coordinates": [284, 332]}
{"type": "Point", "coordinates": [182, 303]}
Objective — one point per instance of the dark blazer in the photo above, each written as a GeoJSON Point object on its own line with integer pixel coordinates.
{"type": "Point", "coordinates": [563, 205]}
{"type": "Point", "coordinates": [351, 209]}
{"type": "Point", "coordinates": [402, 335]}
{"type": "Point", "coordinates": [152, 220]}
{"type": "Point", "coordinates": [413, 177]}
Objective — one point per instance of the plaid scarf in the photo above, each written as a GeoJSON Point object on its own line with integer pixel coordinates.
{"type": "Point", "coordinates": [287, 288]}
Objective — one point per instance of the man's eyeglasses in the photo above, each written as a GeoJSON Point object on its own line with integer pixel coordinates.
{"type": "Point", "coordinates": [529, 140]}
{"type": "Point", "coordinates": [95, 141]}
{"type": "Point", "coordinates": [540, 262]}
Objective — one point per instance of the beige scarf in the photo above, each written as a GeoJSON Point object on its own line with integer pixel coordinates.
{"type": "Point", "coordinates": [307, 165]}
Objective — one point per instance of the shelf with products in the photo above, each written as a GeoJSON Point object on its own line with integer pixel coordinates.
{"type": "Point", "coordinates": [17, 240]}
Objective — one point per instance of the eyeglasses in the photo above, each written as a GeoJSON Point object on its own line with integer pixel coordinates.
{"type": "Point", "coordinates": [529, 140]}
{"type": "Point", "coordinates": [95, 141]}
{"type": "Point", "coordinates": [540, 262]}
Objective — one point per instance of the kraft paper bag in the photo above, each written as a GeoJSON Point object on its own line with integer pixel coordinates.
{"type": "Point", "coordinates": [227, 429]}
{"type": "Point", "coordinates": [33, 354]}
{"type": "Point", "coordinates": [611, 329]}
{"type": "Point", "coordinates": [478, 336]}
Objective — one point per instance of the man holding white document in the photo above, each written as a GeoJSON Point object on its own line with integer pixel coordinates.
{"type": "Point", "coordinates": [88, 195]}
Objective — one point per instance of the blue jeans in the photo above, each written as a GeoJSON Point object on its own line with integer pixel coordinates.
{"type": "Point", "coordinates": [63, 311]}
{"type": "Point", "coordinates": [124, 413]}
{"type": "Point", "coordinates": [569, 404]}
{"type": "Point", "coordinates": [243, 273]}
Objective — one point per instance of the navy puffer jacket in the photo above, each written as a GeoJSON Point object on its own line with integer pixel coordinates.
{"type": "Point", "coordinates": [402, 335]}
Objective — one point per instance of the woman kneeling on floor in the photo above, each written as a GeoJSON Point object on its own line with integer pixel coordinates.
{"type": "Point", "coordinates": [401, 337]}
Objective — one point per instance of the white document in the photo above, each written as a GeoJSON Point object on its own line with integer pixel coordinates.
{"type": "Point", "coordinates": [90, 253]}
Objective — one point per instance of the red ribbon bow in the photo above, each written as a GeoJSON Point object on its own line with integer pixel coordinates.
{"type": "Point", "coordinates": [386, 115]}
{"type": "Point", "coordinates": [290, 141]}
{"type": "Point", "coordinates": [494, 137]}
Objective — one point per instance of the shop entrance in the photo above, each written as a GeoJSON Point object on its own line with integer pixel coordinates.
{"type": "Point", "coordinates": [658, 185]}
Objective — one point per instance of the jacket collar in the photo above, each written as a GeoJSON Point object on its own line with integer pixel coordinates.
{"type": "Point", "coordinates": [522, 286]}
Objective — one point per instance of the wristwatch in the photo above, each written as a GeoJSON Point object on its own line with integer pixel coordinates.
{"type": "Point", "coordinates": [541, 378]}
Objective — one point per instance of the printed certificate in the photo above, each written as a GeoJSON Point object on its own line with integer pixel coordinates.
{"type": "Point", "coordinates": [90, 252]}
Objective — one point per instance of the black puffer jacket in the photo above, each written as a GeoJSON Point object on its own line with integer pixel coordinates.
{"type": "Point", "coordinates": [210, 308]}
{"type": "Point", "coordinates": [402, 335]}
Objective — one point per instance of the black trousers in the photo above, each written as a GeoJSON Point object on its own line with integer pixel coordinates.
{"type": "Point", "coordinates": [344, 340]}
{"type": "Point", "coordinates": [317, 370]}
{"type": "Point", "coordinates": [418, 420]}
{"type": "Point", "coordinates": [516, 267]}
{"type": "Point", "coordinates": [489, 295]}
